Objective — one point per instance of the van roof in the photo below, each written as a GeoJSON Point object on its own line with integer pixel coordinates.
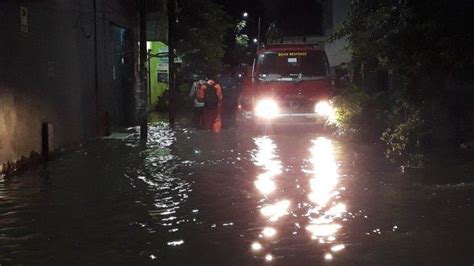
{"type": "Point", "coordinates": [288, 47]}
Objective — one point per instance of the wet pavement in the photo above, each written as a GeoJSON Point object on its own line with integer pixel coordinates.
{"type": "Point", "coordinates": [186, 197]}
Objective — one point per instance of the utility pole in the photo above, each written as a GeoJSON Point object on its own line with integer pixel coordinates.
{"type": "Point", "coordinates": [143, 119]}
{"type": "Point", "coordinates": [96, 73]}
{"type": "Point", "coordinates": [258, 34]}
{"type": "Point", "coordinates": [171, 57]}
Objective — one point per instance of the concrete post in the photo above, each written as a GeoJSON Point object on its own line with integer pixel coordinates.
{"type": "Point", "coordinates": [171, 56]}
{"type": "Point", "coordinates": [143, 71]}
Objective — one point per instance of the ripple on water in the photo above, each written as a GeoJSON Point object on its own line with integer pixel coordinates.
{"type": "Point", "coordinates": [167, 188]}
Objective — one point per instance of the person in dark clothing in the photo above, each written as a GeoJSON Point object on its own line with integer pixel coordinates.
{"type": "Point", "coordinates": [163, 102]}
{"type": "Point", "coordinates": [198, 106]}
{"type": "Point", "coordinates": [210, 94]}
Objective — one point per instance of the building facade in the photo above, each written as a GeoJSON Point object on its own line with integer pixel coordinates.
{"type": "Point", "coordinates": [336, 12]}
{"type": "Point", "coordinates": [68, 72]}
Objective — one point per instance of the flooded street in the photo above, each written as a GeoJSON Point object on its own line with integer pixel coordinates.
{"type": "Point", "coordinates": [193, 198]}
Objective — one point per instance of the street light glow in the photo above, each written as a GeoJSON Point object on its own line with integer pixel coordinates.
{"type": "Point", "coordinates": [245, 14]}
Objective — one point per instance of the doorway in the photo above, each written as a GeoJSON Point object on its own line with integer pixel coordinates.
{"type": "Point", "coordinates": [122, 76]}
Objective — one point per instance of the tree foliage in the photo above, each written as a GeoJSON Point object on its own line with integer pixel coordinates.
{"type": "Point", "coordinates": [201, 31]}
{"type": "Point", "coordinates": [425, 49]}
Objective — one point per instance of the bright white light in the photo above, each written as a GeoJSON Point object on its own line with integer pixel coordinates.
{"type": "Point", "coordinates": [337, 248]}
{"type": "Point", "coordinates": [275, 211]}
{"type": "Point", "coordinates": [255, 40]}
{"type": "Point", "coordinates": [328, 256]}
{"type": "Point", "coordinates": [324, 108]}
{"type": "Point", "coordinates": [266, 109]}
{"type": "Point", "coordinates": [323, 230]}
{"type": "Point", "coordinates": [265, 185]}
{"type": "Point", "coordinates": [266, 158]}
{"type": "Point", "coordinates": [337, 210]}
{"type": "Point", "coordinates": [269, 257]}
{"type": "Point", "coordinates": [245, 14]}
{"type": "Point", "coordinates": [269, 232]}
{"type": "Point", "coordinates": [256, 246]}
{"type": "Point", "coordinates": [325, 173]}
{"type": "Point", "coordinates": [176, 243]}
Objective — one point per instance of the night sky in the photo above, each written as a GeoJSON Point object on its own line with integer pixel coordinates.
{"type": "Point", "coordinates": [296, 17]}
{"type": "Point", "coordinates": [293, 18]}
{"type": "Point", "coordinates": [235, 8]}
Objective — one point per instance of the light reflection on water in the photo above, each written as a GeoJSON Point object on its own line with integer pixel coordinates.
{"type": "Point", "coordinates": [274, 211]}
{"type": "Point", "coordinates": [324, 210]}
{"type": "Point", "coordinates": [168, 190]}
{"type": "Point", "coordinates": [324, 173]}
{"type": "Point", "coordinates": [267, 159]}
{"type": "Point", "coordinates": [132, 203]}
{"type": "Point", "coordinates": [128, 202]}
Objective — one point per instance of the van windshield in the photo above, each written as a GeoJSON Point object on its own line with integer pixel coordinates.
{"type": "Point", "coordinates": [292, 65]}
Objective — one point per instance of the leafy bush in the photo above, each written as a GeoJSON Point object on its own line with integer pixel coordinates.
{"type": "Point", "coordinates": [359, 114]}
{"type": "Point", "coordinates": [425, 101]}
{"type": "Point", "coordinates": [403, 141]}
{"type": "Point", "coordinates": [349, 106]}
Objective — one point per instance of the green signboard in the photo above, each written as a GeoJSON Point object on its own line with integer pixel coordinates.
{"type": "Point", "coordinates": [159, 69]}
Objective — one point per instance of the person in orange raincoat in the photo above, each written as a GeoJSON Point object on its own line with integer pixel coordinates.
{"type": "Point", "coordinates": [210, 93]}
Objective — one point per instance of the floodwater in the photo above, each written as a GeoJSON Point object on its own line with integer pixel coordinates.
{"type": "Point", "coordinates": [189, 197]}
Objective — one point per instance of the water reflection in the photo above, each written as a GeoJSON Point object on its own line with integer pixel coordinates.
{"type": "Point", "coordinates": [167, 189]}
{"type": "Point", "coordinates": [256, 246]}
{"type": "Point", "coordinates": [325, 176]}
{"type": "Point", "coordinates": [267, 159]}
{"type": "Point", "coordinates": [269, 232]}
{"type": "Point", "coordinates": [269, 257]}
{"type": "Point", "coordinates": [111, 203]}
{"type": "Point", "coordinates": [325, 211]}
{"type": "Point", "coordinates": [274, 211]}
{"type": "Point", "coordinates": [319, 213]}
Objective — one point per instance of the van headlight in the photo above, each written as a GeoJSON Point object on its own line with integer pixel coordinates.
{"type": "Point", "coordinates": [324, 108]}
{"type": "Point", "coordinates": [266, 109]}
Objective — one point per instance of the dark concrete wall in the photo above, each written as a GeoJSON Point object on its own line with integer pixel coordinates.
{"type": "Point", "coordinates": [47, 74]}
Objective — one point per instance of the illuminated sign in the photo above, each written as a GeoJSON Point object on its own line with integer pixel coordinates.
{"type": "Point", "coordinates": [286, 54]}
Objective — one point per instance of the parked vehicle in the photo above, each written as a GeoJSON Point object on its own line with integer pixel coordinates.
{"type": "Point", "coordinates": [288, 83]}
